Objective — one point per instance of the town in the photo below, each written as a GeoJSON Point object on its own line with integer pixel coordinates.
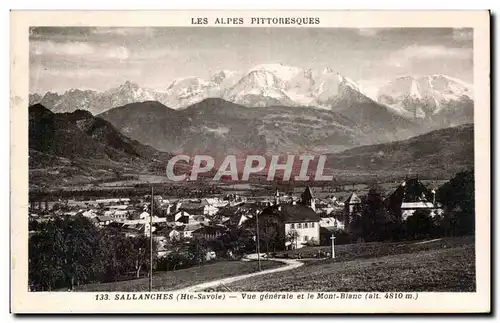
{"type": "Point", "coordinates": [191, 231]}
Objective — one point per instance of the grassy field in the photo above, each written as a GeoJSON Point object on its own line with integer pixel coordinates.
{"type": "Point", "coordinates": [171, 280]}
{"type": "Point", "coordinates": [378, 249]}
{"type": "Point", "coordinates": [447, 265]}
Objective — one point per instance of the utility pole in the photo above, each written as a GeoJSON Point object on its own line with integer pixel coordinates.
{"type": "Point", "coordinates": [333, 246]}
{"type": "Point", "coordinates": [267, 243]}
{"type": "Point", "coordinates": [151, 242]}
{"type": "Point", "coordinates": [258, 238]}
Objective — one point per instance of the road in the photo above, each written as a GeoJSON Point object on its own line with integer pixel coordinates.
{"type": "Point", "coordinates": [289, 265]}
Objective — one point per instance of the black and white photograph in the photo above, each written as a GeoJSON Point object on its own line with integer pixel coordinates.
{"type": "Point", "coordinates": [257, 156]}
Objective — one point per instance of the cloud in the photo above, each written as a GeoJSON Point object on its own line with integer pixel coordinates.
{"type": "Point", "coordinates": [403, 56]}
{"type": "Point", "coordinates": [124, 31]}
{"type": "Point", "coordinates": [77, 49]}
{"type": "Point", "coordinates": [61, 79]}
{"type": "Point", "coordinates": [53, 48]}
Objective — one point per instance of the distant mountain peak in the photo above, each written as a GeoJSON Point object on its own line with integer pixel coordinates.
{"type": "Point", "coordinates": [327, 70]}
{"type": "Point", "coordinates": [222, 75]}
{"type": "Point", "coordinates": [436, 99]}
{"type": "Point", "coordinates": [129, 86]}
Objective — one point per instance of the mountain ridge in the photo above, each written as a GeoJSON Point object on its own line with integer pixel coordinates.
{"type": "Point", "coordinates": [432, 101]}
{"type": "Point", "coordinates": [438, 153]}
{"type": "Point", "coordinates": [437, 99]}
{"type": "Point", "coordinates": [77, 144]}
{"type": "Point", "coordinates": [217, 126]}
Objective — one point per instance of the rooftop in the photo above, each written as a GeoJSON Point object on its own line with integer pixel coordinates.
{"type": "Point", "coordinates": [353, 199]}
{"type": "Point", "coordinates": [290, 213]}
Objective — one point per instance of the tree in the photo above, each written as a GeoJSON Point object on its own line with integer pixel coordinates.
{"type": "Point", "coordinates": [141, 253]}
{"type": "Point", "coordinates": [373, 222]}
{"type": "Point", "coordinates": [62, 253]}
{"type": "Point", "coordinates": [44, 266]}
{"type": "Point", "coordinates": [197, 250]}
{"type": "Point", "coordinates": [292, 237]}
{"type": "Point", "coordinates": [355, 224]}
{"type": "Point", "coordinates": [420, 225]}
{"type": "Point", "coordinates": [119, 255]}
{"type": "Point", "coordinates": [237, 241]}
{"type": "Point", "coordinates": [173, 261]}
{"type": "Point", "coordinates": [113, 256]}
{"type": "Point", "coordinates": [458, 199]}
{"type": "Point", "coordinates": [271, 232]}
{"type": "Point", "coordinates": [312, 242]}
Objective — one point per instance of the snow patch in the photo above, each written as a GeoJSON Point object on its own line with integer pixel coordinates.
{"type": "Point", "coordinates": [283, 72]}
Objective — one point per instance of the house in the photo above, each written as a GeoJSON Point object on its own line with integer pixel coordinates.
{"type": "Point", "coordinates": [300, 223]}
{"type": "Point", "coordinates": [187, 231]}
{"type": "Point", "coordinates": [410, 196]}
{"type": "Point", "coordinates": [236, 220]}
{"type": "Point", "coordinates": [148, 229]}
{"type": "Point", "coordinates": [181, 217]}
{"type": "Point", "coordinates": [192, 207]}
{"type": "Point", "coordinates": [331, 221]}
{"type": "Point", "coordinates": [199, 207]}
{"type": "Point", "coordinates": [198, 219]}
{"type": "Point", "coordinates": [89, 214]}
{"type": "Point", "coordinates": [249, 209]}
{"type": "Point", "coordinates": [209, 232]}
{"type": "Point", "coordinates": [118, 207]}
{"type": "Point", "coordinates": [133, 230]}
{"type": "Point", "coordinates": [325, 207]}
{"type": "Point", "coordinates": [72, 213]}
{"type": "Point", "coordinates": [113, 200]}
{"type": "Point", "coordinates": [155, 219]}
{"type": "Point", "coordinates": [264, 203]}
{"type": "Point", "coordinates": [117, 214]}
{"type": "Point", "coordinates": [167, 209]}
{"type": "Point", "coordinates": [102, 220]}
{"type": "Point", "coordinates": [218, 203]}
{"type": "Point", "coordinates": [169, 231]}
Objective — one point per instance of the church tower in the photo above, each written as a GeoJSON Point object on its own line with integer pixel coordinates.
{"type": "Point", "coordinates": [308, 198]}
{"type": "Point", "coordinates": [277, 197]}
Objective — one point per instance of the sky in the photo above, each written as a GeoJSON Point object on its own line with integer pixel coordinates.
{"type": "Point", "coordinates": [101, 58]}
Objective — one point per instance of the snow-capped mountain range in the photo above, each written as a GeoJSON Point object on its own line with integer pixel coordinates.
{"type": "Point", "coordinates": [427, 96]}
{"type": "Point", "coordinates": [431, 97]}
{"type": "Point", "coordinates": [96, 102]}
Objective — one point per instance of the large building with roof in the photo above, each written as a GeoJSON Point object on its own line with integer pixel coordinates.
{"type": "Point", "coordinates": [299, 222]}
{"type": "Point", "coordinates": [410, 196]}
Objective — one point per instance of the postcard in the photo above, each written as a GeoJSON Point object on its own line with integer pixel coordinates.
{"type": "Point", "coordinates": [241, 161]}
